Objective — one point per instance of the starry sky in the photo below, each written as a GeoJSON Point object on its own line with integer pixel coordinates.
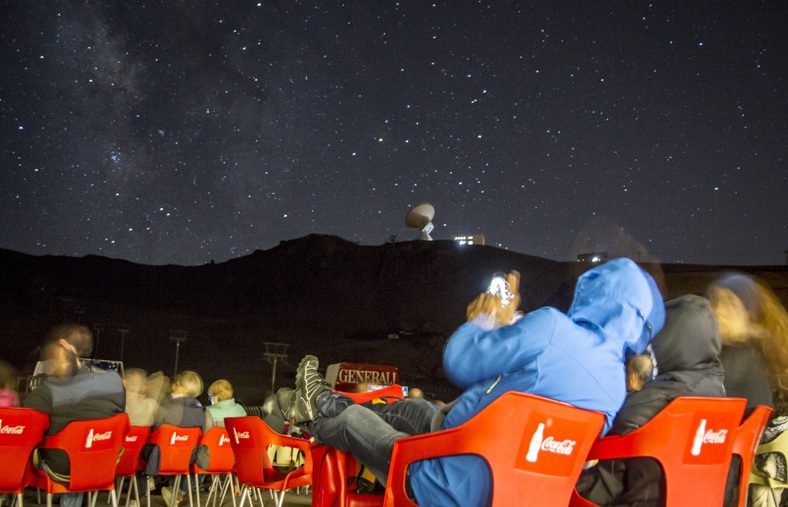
{"type": "Point", "coordinates": [188, 131]}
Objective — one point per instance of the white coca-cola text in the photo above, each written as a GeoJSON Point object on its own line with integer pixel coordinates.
{"type": "Point", "coordinates": [559, 447]}
{"type": "Point", "coordinates": [182, 438]}
{"type": "Point", "coordinates": [715, 437]}
{"type": "Point", "coordinates": [11, 430]}
{"type": "Point", "coordinates": [102, 436]}
{"type": "Point", "coordinates": [239, 435]}
{"type": "Point", "coordinates": [131, 438]}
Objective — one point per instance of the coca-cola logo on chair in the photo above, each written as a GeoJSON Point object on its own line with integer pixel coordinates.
{"type": "Point", "coordinates": [547, 446]}
{"type": "Point", "coordinates": [11, 430]}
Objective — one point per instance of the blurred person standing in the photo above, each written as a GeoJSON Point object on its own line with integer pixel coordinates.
{"type": "Point", "coordinates": [8, 378]}
{"type": "Point", "coordinates": [222, 405]}
{"type": "Point", "coordinates": [754, 329]}
{"type": "Point", "coordinates": [72, 392]}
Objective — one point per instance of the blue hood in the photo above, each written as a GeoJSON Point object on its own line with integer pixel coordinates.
{"type": "Point", "coordinates": [615, 296]}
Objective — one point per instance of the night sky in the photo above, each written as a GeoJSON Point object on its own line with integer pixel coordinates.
{"type": "Point", "coordinates": [188, 131]}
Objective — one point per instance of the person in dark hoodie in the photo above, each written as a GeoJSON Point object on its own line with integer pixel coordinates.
{"type": "Point", "coordinates": [687, 360]}
{"type": "Point", "coordinates": [576, 357]}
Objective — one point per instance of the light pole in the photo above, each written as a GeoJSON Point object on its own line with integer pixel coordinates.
{"type": "Point", "coordinates": [178, 336]}
{"type": "Point", "coordinates": [98, 328]}
{"type": "Point", "coordinates": [124, 329]}
{"type": "Point", "coordinates": [273, 353]}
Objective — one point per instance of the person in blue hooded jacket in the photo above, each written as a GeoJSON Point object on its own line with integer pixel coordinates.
{"type": "Point", "coordinates": [577, 357]}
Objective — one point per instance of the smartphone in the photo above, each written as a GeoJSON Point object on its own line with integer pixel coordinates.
{"type": "Point", "coordinates": [500, 287]}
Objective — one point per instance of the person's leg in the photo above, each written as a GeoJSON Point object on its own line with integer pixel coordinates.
{"type": "Point", "coordinates": [71, 499]}
{"type": "Point", "coordinates": [361, 432]}
{"type": "Point", "coordinates": [412, 416]}
{"type": "Point", "coordinates": [332, 403]}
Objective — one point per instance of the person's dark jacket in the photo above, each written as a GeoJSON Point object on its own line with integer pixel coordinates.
{"type": "Point", "coordinates": [746, 375]}
{"type": "Point", "coordinates": [687, 355]}
{"type": "Point", "coordinates": [185, 412]}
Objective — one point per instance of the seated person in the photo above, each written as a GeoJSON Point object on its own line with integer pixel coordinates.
{"type": "Point", "coordinates": [576, 357]}
{"type": "Point", "coordinates": [72, 392]}
{"type": "Point", "coordinates": [8, 376]}
{"type": "Point", "coordinates": [222, 405]}
{"type": "Point", "coordinates": [140, 407]}
{"type": "Point", "coordinates": [687, 354]}
{"type": "Point", "coordinates": [181, 409]}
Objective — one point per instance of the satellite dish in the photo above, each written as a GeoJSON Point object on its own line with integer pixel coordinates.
{"type": "Point", "coordinates": [420, 216]}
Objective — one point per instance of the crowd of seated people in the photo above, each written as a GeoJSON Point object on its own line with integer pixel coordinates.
{"type": "Point", "coordinates": [634, 354]}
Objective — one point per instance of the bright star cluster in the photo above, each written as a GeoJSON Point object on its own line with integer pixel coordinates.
{"type": "Point", "coordinates": [185, 132]}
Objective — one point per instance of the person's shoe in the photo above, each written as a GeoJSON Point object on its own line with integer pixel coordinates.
{"type": "Point", "coordinates": [309, 385]}
{"type": "Point", "coordinates": [285, 398]}
{"type": "Point", "coordinates": [166, 494]}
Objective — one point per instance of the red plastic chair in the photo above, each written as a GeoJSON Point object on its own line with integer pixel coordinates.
{"type": "Point", "coordinates": [693, 441]}
{"type": "Point", "coordinates": [20, 430]}
{"type": "Point", "coordinates": [745, 445]}
{"type": "Point", "coordinates": [93, 447]}
{"type": "Point", "coordinates": [524, 468]}
{"type": "Point", "coordinates": [175, 445]}
{"type": "Point", "coordinates": [250, 438]}
{"type": "Point", "coordinates": [548, 480]}
{"type": "Point", "coordinates": [333, 470]}
{"type": "Point", "coordinates": [135, 439]}
{"type": "Point", "coordinates": [221, 462]}
{"type": "Point", "coordinates": [332, 480]}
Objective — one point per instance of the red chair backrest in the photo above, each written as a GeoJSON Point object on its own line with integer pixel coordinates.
{"type": "Point", "coordinates": [748, 436]}
{"type": "Point", "coordinates": [333, 474]}
{"type": "Point", "coordinates": [135, 439]}
{"type": "Point", "coordinates": [221, 455]}
{"type": "Point", "coordinates": [20, 430]}
{"type": "Point", "coordinates": [250, 438]}
{"type": "Point", "coordinates": [537, 460]}
{"type": "Point", "coordinates": [175, 445]}
{"type": "Point", "coordinates": [388, 394]}
{"type": "Point", "coordinates": [93, 447]}
{"type": "Point", "coordinates": [692, 439]}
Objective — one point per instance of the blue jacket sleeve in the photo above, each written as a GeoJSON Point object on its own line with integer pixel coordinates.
{"type": "Point", "coordinates": [473, 354]}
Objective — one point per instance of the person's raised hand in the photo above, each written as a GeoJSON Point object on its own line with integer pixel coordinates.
{"type": "Point", "coordinates": [505, 315]}
{"type": "Point", "coordinates": [497, 311]}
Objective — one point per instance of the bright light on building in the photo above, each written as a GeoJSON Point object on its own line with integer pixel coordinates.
{"type": "Point", "coordinates": [474, 239]}
{"type": "Point", "coordinates": [592, 257]}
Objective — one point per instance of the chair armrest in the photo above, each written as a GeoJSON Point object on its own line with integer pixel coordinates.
{"type": "Point", "coordinates": [301, 444]}
{"type": "Point", "coordinates": [416, 448]}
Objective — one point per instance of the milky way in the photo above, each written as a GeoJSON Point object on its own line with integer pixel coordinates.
{"type": "Point", "coordinates": [187, 131]}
